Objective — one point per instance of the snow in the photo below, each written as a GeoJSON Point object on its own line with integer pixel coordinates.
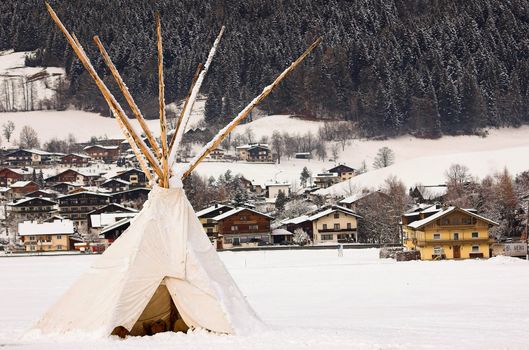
{"type": "Point", "coordinates": [265, 126]}
{"type": "Point", "coordinates": [27, 228]}
{"type": "Point", "coordinates": [310, 300]}
{"type": "Point", "coordinates": [82, 125]}
{"type": "Point", "coordinates": [14, 75]}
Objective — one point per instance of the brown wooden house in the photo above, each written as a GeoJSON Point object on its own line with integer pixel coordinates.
{"type": "Point", "coordinates": [108, 154]}
{"type": "Point", "coordinates": [9, 176]}
{"type": "Point", "coordinates": [20, 188]}
{"type": "Point", "coordinates": [135, 177]}
{"type": "Point", "coordinates": [31, 209]}
{"type": "Point", "coordinates": [76, 159]}
{"type": "Point", "coordinates": [76, 206]}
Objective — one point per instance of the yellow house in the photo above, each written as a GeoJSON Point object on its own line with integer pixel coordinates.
{"type": "Point", "coordinates": [47, 236]}
{"type": "Point", "coordinates": [451, 233]}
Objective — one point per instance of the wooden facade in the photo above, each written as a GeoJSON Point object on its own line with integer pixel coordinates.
{"type": "Point", "coordinates": [74, 159]}
{"type": "Point", "coordinates": [135, 178]}
{"type": "Point", "coordinates": [32, 209]}
{"type": "Point", "coordinates": [243, 227]}
{"type": "Point", "coordinates": [77, 206]}
{"type": "Point", "coordinates": [9, 176]}
{"type": "Point", "coordinates": [107, 154]}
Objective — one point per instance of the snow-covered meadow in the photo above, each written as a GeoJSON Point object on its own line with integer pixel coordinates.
{"type": "Point", "coordinates": [310, 300]}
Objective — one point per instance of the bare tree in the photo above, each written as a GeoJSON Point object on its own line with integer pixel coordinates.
{"type": "Point", "coordinates": [321, 150]}
{"type": "Point", "coordinates": [277, 145]}
{"type": "Point", "coordinates": [28, 138]}
{"type": "Point", "coordinates": [335, 151]}
{"type": "Point", "coordinates": [384, 158]}
{"type": "Point", "coordinates": [7, 129]}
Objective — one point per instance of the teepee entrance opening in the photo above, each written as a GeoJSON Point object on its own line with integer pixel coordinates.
{"type": "Point", "coordinates": [160, 315]}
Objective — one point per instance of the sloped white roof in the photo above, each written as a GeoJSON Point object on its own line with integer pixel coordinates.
{"type": "Point", "coordinates": [355, 197]}
{"type": "Point", "coordinates": [19, 184]}
{"type": "Point", "coordinates": [63, 227]}
{"type": "Point", "coordinates": [116, 180]}
{"type": "Point", "coordinates": [25, 200]}
{"type": "Point", "coordinates": [211, 209]}
{"type": "Point", "coordinates": [116, 224]}
{"type": "Point", "coordinates": [106, 219]}
{"type": "Point", "coordinates": [100, 146]}
{"type": "Point", "coordinates": [332, 210]}
{"type": "Point", "coordinates": [281, 232]}
{"type": "Point", "coordinates": [235, 211]}
{"type": "Point", "coordinates": [39, 152]}
{"type": "Point", "coordinates": [296, 220]}
{"type": "Point", "coordinates": [421, 223]}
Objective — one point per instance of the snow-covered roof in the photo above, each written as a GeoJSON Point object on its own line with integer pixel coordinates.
{"type": "Point", "coordinates": [26, 200]}
{"type": "Point", "coordinates": [235, 211]}
{"type": "Point", "coordinates": [281, 232]}
{"type": "Point", "coordinates": [39, 152]}
{"type": "Point", "coordinates": [21, 171]}
{"type": "Point", "coordinates": [105, 219]}
{"type": "Point", "coordinates": [211, 209]}
{"type": "Point", "coordinates": [253, 145]}
{"type": "Point", "coordinates": [85, 192]}
{"type": "Point", "coordinates": [420, 223]}
{"type": "Point", "coordinates": [63, 227]}
{"type": "Point", "coordinates": [100, 146]}
{"type": "Point", "coordinates": [116, 180]}
{"type": "Point", "coordinates": [327, 175]}
{"type": "Point", "coordinates": [275, 184]}
{"type": "Point", "coordinates": [20, 184]}
{"type": "Point", "coordinates": [355, 197]}
{"type": "Point", "coordinates": [332, 210]}
{"type": "Point", "coordinates": [116, 224]}
{"type": "Point", "coordinates": [79, 155]}
{"type": "Point", "coordinates": [296, 220]}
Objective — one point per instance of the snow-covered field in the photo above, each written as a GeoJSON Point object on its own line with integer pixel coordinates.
{"type": "Point", "coordinates": [311, 300]}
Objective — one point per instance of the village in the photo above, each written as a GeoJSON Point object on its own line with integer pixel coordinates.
{"type": "Point", "coordinates": [84, 200]}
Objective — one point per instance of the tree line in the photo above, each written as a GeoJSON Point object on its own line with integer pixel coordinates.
{"type": "Point", "coordinates": [390, 66]}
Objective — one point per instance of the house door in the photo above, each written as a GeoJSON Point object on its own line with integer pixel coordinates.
{"type": "Point", "coordinates": [457, 252]}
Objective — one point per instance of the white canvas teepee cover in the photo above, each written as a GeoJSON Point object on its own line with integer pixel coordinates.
{"type": "Point", "coordinates": [165, 242]}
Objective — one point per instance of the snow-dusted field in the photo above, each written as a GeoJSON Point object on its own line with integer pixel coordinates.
{"type": "Point", "coordinates": [311, 300]}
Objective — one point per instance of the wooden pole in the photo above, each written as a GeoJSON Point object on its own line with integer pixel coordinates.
{"type": "Point", "coordinates": [112, 103]}
{"type": "Point", "coordinates": [192, 98]}
{"type": "Point", "coordinates": [161, 97]}
{"type": "Point", "coordinates": [181, 116]}
{"type": "Point", "coordinates": [213, 144]}
{"type": "Point", "coordinates": [137, 152]}
{"type": "Point", "coordinates": [125, 90]}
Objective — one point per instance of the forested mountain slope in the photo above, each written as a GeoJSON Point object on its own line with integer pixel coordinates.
{"type": "Point", "coordinates": [394, 66]}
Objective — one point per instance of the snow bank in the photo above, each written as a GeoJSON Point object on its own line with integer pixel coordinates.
{"type": "Point", "coordinates": [311, 300]}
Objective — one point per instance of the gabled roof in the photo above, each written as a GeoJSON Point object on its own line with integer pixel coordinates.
{"type": "Point", "coordinates": [20, 184]}
{"type": "Point", "coordinates": [64, 227]}
{"type": "Point", "coordinates": [331, 210]}
{"type": "Point", "coordinates": [100, 146]}
{"type": "Point", "coordinates": [440, 214]}
{"type": "Point", "coordinates": [113, 208]}
{"type": "Point", "coordinates": [26, 201]}
{"type": "Point", "coordinates": [85, 192]}
{"type": "Point", "coordinates": [341, 167]}
{"type": "Point", "coordinates": [358, 196]}
{"type": "Point", "coordinates": [113, 179]}
{"type": "Point", "coordinates": [106, 219]}
{"type": "Point", "coordinates": [296, 220]}
{"type": "Point", "coordinates": [236, 211]}
{"type": "Point", "coordinates": [115, 225]}
{"type": "Point", "coordinates": [212, 208]}
{"type": "Point", "coordinates": [78, 155]}
{"type": "Point", "coordinates": [19, 171]}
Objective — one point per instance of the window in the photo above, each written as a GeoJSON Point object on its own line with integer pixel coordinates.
{"type": "Point", "coordinates": [326, 237]}
{"type": "Point", "coordinates": [349, 226]}
{"type": "Point", "coordinates": [59, 247]}
{"type": "Point", "coordinates": [438, 251]}
{"type": "Point", "coordinates": [235, 228]}
{"type": "Point", "coordinates": [254, 227]}
{"type": "Point", "coordinates": [336, 226]}
{"type": "Point", "coordinates": [243, 218]}
{"type": "Point", "coordinates": [445, 221]}
{"type": "Point", "coordinates": [475, 234]}
{"type": "Point", "coordinates": [475, 249]}
{"type": "Point", "coordinates": [324, 226]}
{"type": "Point", "coordinates": [436, 236]}
{"type": "Point", "coordinates": [336, 215]}
{"type": "Point", "coordinates": [456, 236]}
{"type": "Point", "coordinates": [59, 237]}
{"type": "Point", "coordinates": [467, 221]}
{"type": "Point", "coordinates": [210, 230]}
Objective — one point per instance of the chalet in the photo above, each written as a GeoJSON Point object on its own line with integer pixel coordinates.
{"type": "Point", "coordinates": [19, 189]}
{"type": "Point", "coordinates": [324, 180]}
{"type": "Point", "coordinates": [206, 218]}
{"type": "Point", "coordinates": [108, 154]}
{"type": "Point", "coordinates": [135, 178]}
{"type": "Point", "coordinates": [343, 171]}
{"type": "Point", "coordinates": [25, 157]}
{"type": "Point", "coordinates": [359, 200]}
{"type": "Point", "coordinates": [48, 236]}
{"type": "Point", "coordinates": [241, 227]}
{"type": "Point", "coordinates": [217, 154]}
{"type": "Point", "coordinates": [133, 198]}
{"type": "Point", "coordinates": [73, 176]}
{"type": "Point", "coordinates": [77, 206]}
{"type": "Point", "coordinates": [9, 176]}
{"type": "Point", "coordinates": [76, 159]}
{"type": "Point", "coordinates": [116, 185]}
{"type": "Point", "coordinates": [330, 224]}
{"type": "Point", "coordinates": [31, 209]}
{"type": "Point", "coordinates": [255, 152]}
{"type": "Point", "coordinates": [107, 215]}
{"type": "Point", "coordinates": [451, 233]}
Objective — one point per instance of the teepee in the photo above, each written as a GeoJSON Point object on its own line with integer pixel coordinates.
{"type": "Point", "coordinates": [163, 271]}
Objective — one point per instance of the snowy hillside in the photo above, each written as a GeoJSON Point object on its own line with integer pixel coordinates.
{"type": "Point", "coordinates": [26, 88]}
{"type": "Point", "coordinates": [265, 126]}
{"type": "Point", "coordinates": [309, 300]}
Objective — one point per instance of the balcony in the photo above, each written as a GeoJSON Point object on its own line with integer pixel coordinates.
{"type": "Point", "coordinates": [423, 242]}
{"type": "Point", "coordinates": [333, 230]}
